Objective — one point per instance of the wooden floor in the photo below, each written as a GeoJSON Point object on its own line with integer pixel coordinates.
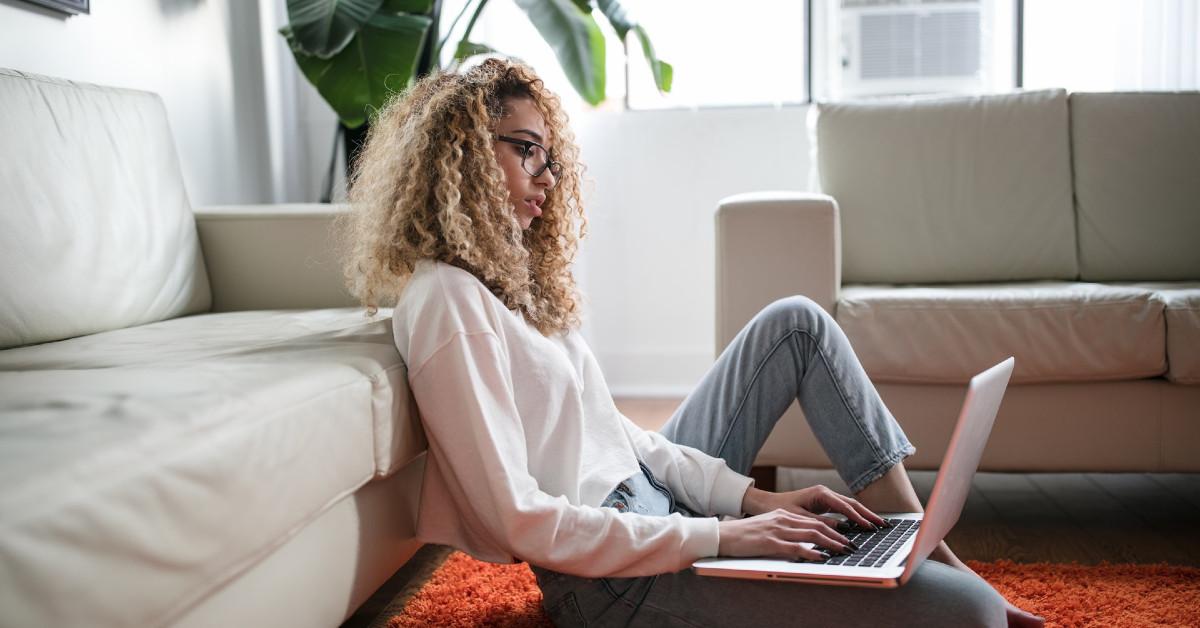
{"type": "Point", "coordinates": [1054, 517]}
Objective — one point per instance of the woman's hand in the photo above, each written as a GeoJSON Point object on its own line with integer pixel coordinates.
{"type": "Point", "coordinates": [811, 502]}
{"type": "Point", "coordinates": [779, 533]}
{"type": "Point", "coordinates": [781, 522]}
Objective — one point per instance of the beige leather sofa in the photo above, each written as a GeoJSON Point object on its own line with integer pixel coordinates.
{"type": "Point", "coordinates": [953, 232]}
{"type": "Point", "coordinates": [196, 426]}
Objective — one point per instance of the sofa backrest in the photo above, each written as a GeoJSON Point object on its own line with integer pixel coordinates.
{"type": "Point", "coordinates": [950, 189]}
{"type": "Point", "coordinates": [1137, 184]}
{"type": "Point", "coordinates": [96, 232]}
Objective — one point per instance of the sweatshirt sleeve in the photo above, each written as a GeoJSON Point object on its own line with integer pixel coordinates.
{"type": "Point", "coordinates": [465, 395]}
{"type": "Point", "coordinates": [704, 483]}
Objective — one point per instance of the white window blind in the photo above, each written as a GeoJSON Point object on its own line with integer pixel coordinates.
{"type": "Point", "coordinates": [1103, 45]}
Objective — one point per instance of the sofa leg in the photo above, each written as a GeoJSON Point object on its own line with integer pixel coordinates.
{"type": "Point", "coordinates": [764, 477]}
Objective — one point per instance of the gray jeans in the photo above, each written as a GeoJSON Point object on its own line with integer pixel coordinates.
{"type": "Point", "coordinates": [791, 350]}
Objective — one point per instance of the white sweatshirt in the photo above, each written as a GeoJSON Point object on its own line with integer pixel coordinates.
{"type": "Point", "coordinates": [525, 442]}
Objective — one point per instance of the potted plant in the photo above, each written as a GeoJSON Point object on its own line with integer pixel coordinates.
{"type": "Point", "coordinates": [358, 52]}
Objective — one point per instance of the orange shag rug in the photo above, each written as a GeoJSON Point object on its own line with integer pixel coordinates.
{"type": "Point", "coordinates": [466, 592]}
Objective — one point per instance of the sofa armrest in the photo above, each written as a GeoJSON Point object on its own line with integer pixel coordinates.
{"type": "Point", "coordinates": [272, 256]}
{"type": "Point", "coordinates": [772, 245]}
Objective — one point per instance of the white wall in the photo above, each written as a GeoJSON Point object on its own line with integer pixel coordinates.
{"type": "Point", "coordinates": [201, 56]}
{"type": "Point", "coordinates": [648, 260]}
{"type": "Point", "coordinates": [647, 265]}
{"type": "Point", "coordinates": [250, 129]}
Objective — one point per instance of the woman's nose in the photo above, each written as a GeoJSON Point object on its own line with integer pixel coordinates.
{"type": "Point", "coordinates": [546, 179]}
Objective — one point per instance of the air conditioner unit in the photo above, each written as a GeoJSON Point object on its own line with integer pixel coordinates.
{"type": "Point", "coordinates": [911, 46]}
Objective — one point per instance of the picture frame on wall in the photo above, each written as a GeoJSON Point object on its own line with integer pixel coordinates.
{"type": "Point", "coordinates": [72, 7]}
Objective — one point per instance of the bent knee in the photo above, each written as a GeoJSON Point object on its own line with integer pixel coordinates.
{"type": "Point", "coordinates": [953, 597]}
{"type": "Point", "coordinates": [791, 312]}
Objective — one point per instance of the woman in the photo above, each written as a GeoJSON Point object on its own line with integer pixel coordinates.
{"type": "Point", "coordinates": [467, 213]}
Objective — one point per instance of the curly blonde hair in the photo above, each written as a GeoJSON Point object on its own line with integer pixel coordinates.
{"type": "Point", "coordinates": [427, 186]}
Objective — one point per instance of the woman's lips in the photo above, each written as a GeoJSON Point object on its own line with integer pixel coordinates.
{"type": "Point", "coordinates": [533, 208]}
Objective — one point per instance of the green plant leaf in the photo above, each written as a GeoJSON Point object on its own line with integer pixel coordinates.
{"type": "Point", "coordinates": [419, 7]}
{"type": "Point", "coordinates": [622, 22]}
{"type": "Point", "coordinates": [380, 60]}
{"type": "Point", "coordinates": [467, 48]}
{"type": "Point", "coordinates": [616, 15]}
{"type": "Point", "coordinates": [663, 72]}
{"type": "Point", "coordinates": [576, 40]}
{"type": "Point", "coordinates": [324, 27]}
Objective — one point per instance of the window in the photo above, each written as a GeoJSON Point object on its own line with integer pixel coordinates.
{"type": "Point", "coordinates": [758, 52]}
{"type": "Point", "coordinates": [882, 47]}
{"type": "Point", "coordinates": [774, 52]}
{"type": "Point", "coordinates": [750, 52]}
{"type": "Point", "coordinates": [1102, 45]}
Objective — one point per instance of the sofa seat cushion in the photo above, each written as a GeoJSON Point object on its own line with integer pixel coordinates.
{"type": "Point", "coordinates": [145, 467]}
{"type": "Point", "coordinates": [341, 335]}
{"type": "Point", "coordinates": [1058, 331]}
{"type": "Point", "coordinates": [1182, 300]}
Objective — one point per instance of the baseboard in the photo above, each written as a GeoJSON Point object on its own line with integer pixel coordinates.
{"type": "Point", "coordinates": [650, 392]}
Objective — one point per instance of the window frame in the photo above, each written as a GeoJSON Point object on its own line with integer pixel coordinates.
{"type": "Point", "coordinates": [1018, 67]}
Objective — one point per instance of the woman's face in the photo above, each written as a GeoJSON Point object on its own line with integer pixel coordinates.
{"type": "Point", "coordinates": [526, 193]}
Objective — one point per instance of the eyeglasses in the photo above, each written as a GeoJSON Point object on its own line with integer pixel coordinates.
{"type": "Point", "coordinates": [535, 159]}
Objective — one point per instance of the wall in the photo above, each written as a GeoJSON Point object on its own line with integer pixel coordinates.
{"type": "Point", "coordinates": [250, 129]}
{"type": "Point", "coordinates": [648, 260]}
{"type": "Point", "coordinates": [202, 56]}
{"type": "Point", "coordinates": [647, 266]}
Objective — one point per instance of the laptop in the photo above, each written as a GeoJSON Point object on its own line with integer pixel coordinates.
{"type": "Point", "coordinates": [887, 558]}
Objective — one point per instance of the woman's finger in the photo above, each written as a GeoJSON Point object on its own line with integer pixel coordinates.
{"type": "Point", "coordinates": [797, 551]}
{"type": "Point", "coordinates": [864, 512]}
{"type": "Point", "coordinates": [815, 531]}
{"type": "Point", "coordinates": [829, 501]}
{"type": "Point", "coordinates": [818, 537]}
{"type": "Point", "coordinates": [827, 526]}
{"type": "Point", "coordinates": [851, 508]}
{"type": "Point", "coordinates": [863, 518]}
{"type": "Point", "coordinates": [833, 522]}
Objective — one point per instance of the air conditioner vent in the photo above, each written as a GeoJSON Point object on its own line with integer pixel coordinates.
{"type": "Point", "coordinates": [911, 44]}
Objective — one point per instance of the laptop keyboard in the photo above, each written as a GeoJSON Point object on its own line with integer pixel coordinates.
{"type": "Point", "coordinates": [874, 547]}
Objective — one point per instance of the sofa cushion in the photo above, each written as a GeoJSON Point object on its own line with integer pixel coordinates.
{"type": "Point", "coordinates": [1182, 300]}
{"type": "Point", "coordinates": [1058, 331]}
{"type": "Point", "coordinates": [1137, 185]}
{"type": "Point", "coordinates": [145, 467]}
{"type": "Point", "coordinates": [951, 189]}
{"type": "Point", "coordinates": [108, 241]}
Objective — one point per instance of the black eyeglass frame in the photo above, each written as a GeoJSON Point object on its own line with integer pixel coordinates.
{"type": "Point", "coordinates": [526, 145]}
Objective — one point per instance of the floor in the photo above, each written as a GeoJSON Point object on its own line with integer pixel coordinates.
{"type": "Point", "coordinates": [1052, 517]}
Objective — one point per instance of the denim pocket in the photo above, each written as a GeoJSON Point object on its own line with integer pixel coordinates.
{"type": "Point", "coordinates": [565, 612]}
{"type": "Point", "coordinates": [618, 587]}
{"type": "Point", "coordinates": [632, 590]}
{"type": "Point", "coordinates": [618, 498]}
